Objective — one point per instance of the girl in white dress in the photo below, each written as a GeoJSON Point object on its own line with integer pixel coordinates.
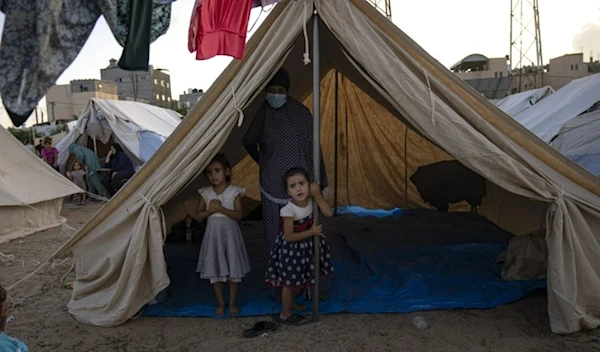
{"type": "Point", "coordinates": [223, 255]}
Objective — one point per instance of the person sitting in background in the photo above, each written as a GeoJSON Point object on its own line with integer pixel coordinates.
{"type": "Point", "coordinates": [8, 343]}
{"type": "Point", "coordinates": [39, 147]}
{"type": "Point", "coordinates": [29, 146]}
{"type": "Point", "coordinates": [50, 154]}
{"type": "Point", "coordinates": [91, 162]}
{"type": "Point", "coordinates": [121, 166]}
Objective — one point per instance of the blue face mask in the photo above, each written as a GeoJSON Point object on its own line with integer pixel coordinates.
{"type": "Point", "coordinates": [276, 100]}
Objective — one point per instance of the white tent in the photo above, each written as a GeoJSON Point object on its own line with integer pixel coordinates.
{"type": "Point", "coordinates": [547, 117]}
{"type": "Point", "coordinates": [31, 192]}
{"type": "Point", "coordinates": [139, 128]}
{"type": "Point", "coordinates": [579, 140]}
{"type": "Point", "coordinates": [398, 109]}
{"type": "Point", "coordinates": [515, 104]}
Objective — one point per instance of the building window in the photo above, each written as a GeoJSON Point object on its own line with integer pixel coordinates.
{"type": "Point", "coordinates": [157, 97]}
{"type": "Point", "coordinates": [576, 67]}
{"type": "Point", "coordinates": [501, 74]}
{"type": "Point", "coordinates": [155, 81]}
{"type": "Point", "coordinates": [496, 74]}
{"type": "Point", "coordinates": [83, 88]}
{"type": "Point", "coordinates": [168, 85]}
{"type": "Point", "coordinates": [142, 78]}
{"type": "Point", "coordinates": [168, 98]}
{"type": "Point", "coordinates": [571, 67]}
{"type": "Point", "coordinates": [162, 83]}
{"type": "Point", "coordinates": [163, 97]}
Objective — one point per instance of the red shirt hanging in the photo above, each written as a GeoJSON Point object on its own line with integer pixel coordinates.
{"type": "Point", "coordinates": [219, 27]}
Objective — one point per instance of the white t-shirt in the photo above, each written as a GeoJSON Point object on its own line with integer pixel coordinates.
{"type": "Point", "coordinates": [291, 210]}
{"type": "Point", "coordinates": [227, 198]}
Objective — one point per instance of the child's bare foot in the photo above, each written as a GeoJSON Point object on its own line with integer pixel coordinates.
{"type": "Point", "coordinates": [234, 311]}
{"type": "Point", "coordinates": [220, 310]}
{"type": "Point", "coordinates": [298, 307]}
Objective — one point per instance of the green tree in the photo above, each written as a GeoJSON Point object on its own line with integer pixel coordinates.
{"type": "Point", "coordinates": [182, 110]}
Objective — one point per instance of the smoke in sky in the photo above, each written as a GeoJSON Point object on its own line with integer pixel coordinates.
{"type": "Point", "coordinates": [588, 39]}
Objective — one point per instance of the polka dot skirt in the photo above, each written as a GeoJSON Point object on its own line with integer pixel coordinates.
{"type": "Point", "coordinates": [291, 264]}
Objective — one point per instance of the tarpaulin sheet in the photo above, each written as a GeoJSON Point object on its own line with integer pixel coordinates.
{"type": "Point", "coordinates": [376, 272]}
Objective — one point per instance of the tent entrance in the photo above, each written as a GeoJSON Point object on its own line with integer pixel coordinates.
{"type": "Point", "coordinates": [371, 151]}
{"type": "Point", "coordinates": [416, 260]}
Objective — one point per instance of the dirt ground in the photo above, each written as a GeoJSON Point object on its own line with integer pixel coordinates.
{"type": "Point", "coordinates": [43, 323]}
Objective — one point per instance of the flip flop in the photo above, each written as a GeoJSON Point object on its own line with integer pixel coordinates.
{"type": "Point", "coordinates": [259, 328]}
{"type": "Point", "coordinates": [294, 320]}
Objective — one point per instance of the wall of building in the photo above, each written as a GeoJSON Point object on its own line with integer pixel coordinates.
{"type": "Point", "coordinates": [188, 100]}
{"type": "Point", "coordinates": [161, 89]}
{"type": "Point", "coordinates": [63, 107]}
{"type": "Point", "coordinates": [70, 99]}
{"type": "Point", "coordinates": [153, 86]}
{"type": "Point", "coordinates": [565, 69]}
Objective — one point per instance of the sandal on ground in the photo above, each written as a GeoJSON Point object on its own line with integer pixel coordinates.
{"type": "Point", "coordinates": [294, 319]}
{"type": "Point", "coordinates": [259, 328]}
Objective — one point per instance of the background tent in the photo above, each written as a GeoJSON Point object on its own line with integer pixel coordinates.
{"type": "Point", "coordinates": [414, 112]}
{"type": "Point", "coordinates": [31, 192]}
{"type": "Point", "coordinates": [579, 140]}
{"type": "Point", "coordinates": [139, 128]}
{"type": "Point", "coordinates": [547, 117]}
{"type": "Point", "coordinates": [515, 104]}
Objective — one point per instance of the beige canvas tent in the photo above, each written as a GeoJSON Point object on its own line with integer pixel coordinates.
{"type": "Point", "coordinates": [31, 192]}
{"type": "Point", "coordinates": [395, 108]}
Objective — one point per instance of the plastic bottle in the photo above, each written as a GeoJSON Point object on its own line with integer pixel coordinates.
{"type": "Point", "coordinates": [419, 322]}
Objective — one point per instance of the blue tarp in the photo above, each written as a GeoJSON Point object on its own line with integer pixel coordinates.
{"type": "Point", "coordinates": [362, 212]}
{"type": "Point", "coordinates": [376, 271]}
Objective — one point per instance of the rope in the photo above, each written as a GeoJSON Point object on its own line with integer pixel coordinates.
{"type": "Point", "coordinates": [10, 257]}
{"type": "Point", "coordinates": [260, 13]}
{"type": "Point", "coordinates": [92, 195]}
{"type": "Point", "coordinates": [27, 277]}
{"type": "Point", "coordinates": [306, 43]}
{"type": "Point", "coordinates": [237, 108]}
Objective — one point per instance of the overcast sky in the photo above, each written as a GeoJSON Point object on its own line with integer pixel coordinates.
{"type": "Point", "coordinates": [448, 30]}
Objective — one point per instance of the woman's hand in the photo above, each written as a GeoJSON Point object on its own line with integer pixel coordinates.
{"type": "Point", "coordinates": [315, 189]}
{"type": "Point", "coordinates": [214, 205]}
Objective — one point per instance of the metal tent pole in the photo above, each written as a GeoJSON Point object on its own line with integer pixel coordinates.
{"type": "Point", "coordinates": [316, 158]}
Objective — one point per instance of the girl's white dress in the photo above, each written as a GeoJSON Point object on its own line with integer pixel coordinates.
{"type": "Point", "coordinates": [223, 255]}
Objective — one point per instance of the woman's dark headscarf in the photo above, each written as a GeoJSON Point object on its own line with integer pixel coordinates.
{"type": "Point", "coordinates": [282, 79]}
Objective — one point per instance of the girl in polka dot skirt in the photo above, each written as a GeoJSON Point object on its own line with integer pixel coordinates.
{"type": "Point", "coordinates": [291, 262]}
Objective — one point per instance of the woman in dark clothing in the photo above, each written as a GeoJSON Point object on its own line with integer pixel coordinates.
{"type": "Point", "coordinates": [121, 166]}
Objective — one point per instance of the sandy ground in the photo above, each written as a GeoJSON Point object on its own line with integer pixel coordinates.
{"type": "Point", "coordinates": [43, 323]}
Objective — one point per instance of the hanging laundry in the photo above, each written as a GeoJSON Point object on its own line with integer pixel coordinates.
{"type": "Point", "coordinates": [41, 38]}
{"type": "Point", "coordinates": [137, 24]}
{"type": "Point", "coordinates": [219, 27]}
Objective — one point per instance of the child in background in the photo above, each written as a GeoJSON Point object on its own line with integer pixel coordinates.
{"type": "Point", "coordinates": [50, 154]}
{"type": "Point", "coordinates": [291, 263]}
{"type": "Point", "coordinates": [77, 175]}
{"type": "Point", "coordinates": [223, 256]}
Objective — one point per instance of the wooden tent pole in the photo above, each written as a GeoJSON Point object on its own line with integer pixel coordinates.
{"type": "Point", "coordinates": [316, 159]}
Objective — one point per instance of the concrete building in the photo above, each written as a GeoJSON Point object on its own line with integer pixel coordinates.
{"type": "Point", "coordinates": [494, 79]}
{"type": "Point", "coordinates": [67, 100]}
{"type": "Point", "coordinates": [152, 86]}
{"type": "Point", "coordinates": [563, 69]}
{"type": "Point", "coordinates": [189, 99]}
{"type": "Point", "coordinates": [477, 66]}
